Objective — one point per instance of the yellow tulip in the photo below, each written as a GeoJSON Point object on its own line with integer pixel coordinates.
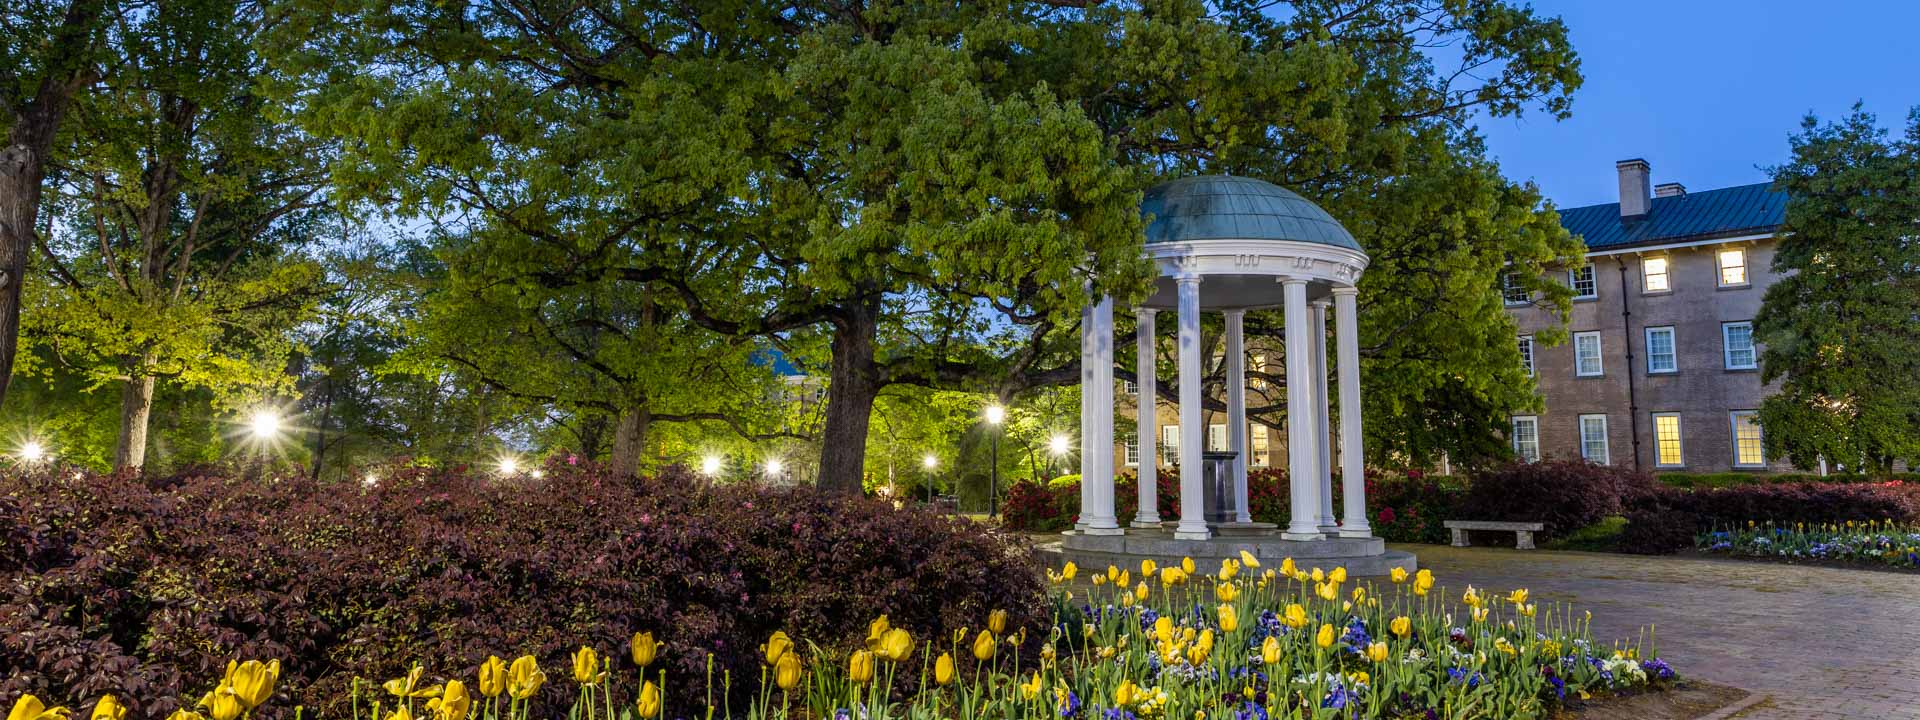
{"type": "Point", "coordinates": [1125, 579]}
{"type": "Point", "coordinates": [1140, 592]}
{"type": "Point", "coordinates": [1069, 571]}
{"type": "Point", "coordinates": [644, 648]}
{"type": "Point", "coordinates": [1425, 576]}
{"type": "Point", "coordinates": [1270, 650]}
{"type": "Point", "coordinates": [1163, 629]}
{"type": "Point", "coordinates": [943, 669]}
{"type": "Point", "coordinates": [184, 714]}
{"type": "Point", "coordinates": [1247, 559]}
{"type": "Point", "coordinates": [983, 646]}
{"type": "Point", "coordinates": [1031, 688]}
{"type": "Point", "coordinates": [1360, 594]}
{"type": "Point", "coordinates": [1479, 614]}
{"type": "Point", "coordinates": [1229, 620]}
{"type": "Point", "coordinates": [1186, 565]}
{"type": "Point", "coordinates": [29, 707]}
{"type": "Point", "coordinates": [587, 668]}
{"type": "Point", "coordinates": [1325, 637]}
{"type": "Point", "coordinates": [877, 630]}
{"type": "Point", "coordinates": [860, 667]}
{"type": "Point", "coordinates": [1147, 567]}
{"type": "Point", "coordinates": [648, 706]}
{"type": "Point", "coordinates": [786, 671]}
{"type": "Point", "coordinates": [1397, 575]}
{"type": "Point", "coordinates": [1471, 598]}
{"type": "Point", "coordinates": [493, 676]}
{"type": "Point", "coordinates": [1126, 599]}
{"type": "Point", "coordinates": [1287, 567]}
{"type": "Point", "coordinates": [452, 704]}
{"type": "Point", "coordinates": [1518, 596]}
{"type": "Point", "coordinates": [1226, 592]}
{"type": "Point", "coordinates": [776, 646]}
{"type": "Point", "coordinates": [1123, 695]}
{"type": "Point", "coordinates": [997, 621]}
{"type": "Point", "coordinates": [409, 686]}
{"type": "Point", "coordinates": [223, 703]}
{"type": "Point", "coordinates": [252, 681]}
{"type": "Point", "coordinates": [1113, 572]}
{"type": "Point", "coordinates": [1296, 616]}
{"type": "Point", "coordinates": [109, 708]}
{"type": "Point", "coordinates": [524, 677]}
{"type": "Point", "coordinates": [401, 713]}
{"type": "Point", "coordinates": [1377, 652]}
{"type": "Point", "coordinates": [1228, 569]}
{"type": "Point", "coordinates": [1526, 609]}
{"type": "Point", "coordinates": [1327, 591]}
{"type": "Point", "coordinates": [1402, 626]}
{"type": "Point", "coordinates": [896, 645]}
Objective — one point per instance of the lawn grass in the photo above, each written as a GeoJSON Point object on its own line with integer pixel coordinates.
{"type": "Point", "coordinates": [1603, 536]}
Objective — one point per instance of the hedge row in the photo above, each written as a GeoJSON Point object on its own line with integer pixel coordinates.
{"type": "Point", "coordinates": [1669, 520]}
{"type": "Point", "coordinates": [145, 588]}
{"type": "Point", "coordinates": [1732, 479]}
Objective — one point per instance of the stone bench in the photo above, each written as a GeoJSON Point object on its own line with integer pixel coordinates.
{"type": "Point", "coordinates": [1522, 530]}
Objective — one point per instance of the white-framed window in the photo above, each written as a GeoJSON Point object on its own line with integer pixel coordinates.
{"type": "Point", "coordinates": [1217, 438]}
{"type": "Point", "coordinates": [1733, 266]}
{"type": "Point", "coordinates": [1513, 290]}
{"type": "Point", "coordinates": [1526, 353]}
{"type": "Point", "coordinates": [1748, 451]}
{"type": "Point", "coordinates": [1258, 364]}
{"type": "Point", "coordinates": [1736, 341]}
{"type": "Point", "coordinates": [1581, 279]}
{"type": "Point", "coordinates": [1653, 275]}
{"type": "Point", "coordinates": [1526, 437]}
{"type": "Point", "coordinates": [1129, 387]}
{"type": "Point", "coordinates": [1170, 444]}
{"type": "Point", "coordinates": [1131, 454]}
{"type": "Point", "coordinates": [1660, 354]}
{"type": "Point", "coordinates": [1586, 354]}
{"type": "Point", "coordinates": [1259, 448]}
{"type": "Point", "coordinates": [1593, 438]}
{"type": "Point", "coordinates": [1667, 451]}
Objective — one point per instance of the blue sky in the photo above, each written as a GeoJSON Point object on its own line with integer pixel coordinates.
{"type": "Point", "coordinates": [1707, 91]}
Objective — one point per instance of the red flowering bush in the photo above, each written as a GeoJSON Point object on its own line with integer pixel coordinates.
{"type": "Point", "coordinates": [1563, 495]}
{"type": "Point", "coordinates": [144, 588]}
{"type": "Point", "coordinates": [1411, 507]}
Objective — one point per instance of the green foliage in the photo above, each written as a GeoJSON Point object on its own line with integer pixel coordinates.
{"type": "Point", "coordinates": [1840, 326]}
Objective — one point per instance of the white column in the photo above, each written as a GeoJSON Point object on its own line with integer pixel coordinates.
{"type": "Point", "coordinates": [1302, 477]}
{"type": "Point", "coordinates": [1353, 459]}
{"type": "Point", "coordinates": [1148, 431]}
{"type": "Point", "coordinates": [1237, 408]}
{"type": "Point", "coordinates": [1087, 468]}
{"type": "Point", "coordinates": [1193, 521]}
{"type": "Point", "coordinates": [1322, 436]}
{"type": "Point", "coordinates": [1100, 445]}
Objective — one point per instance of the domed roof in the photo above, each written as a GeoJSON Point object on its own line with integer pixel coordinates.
{"type": "Point", "coordinates": [1225, 207]}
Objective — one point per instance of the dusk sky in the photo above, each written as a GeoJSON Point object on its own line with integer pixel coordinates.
{"type": "Point", "coordinates": [1708, 92]}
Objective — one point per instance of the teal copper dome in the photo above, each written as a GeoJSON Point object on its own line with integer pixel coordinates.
{"type": "Point", "coordinates": [1225, 207]}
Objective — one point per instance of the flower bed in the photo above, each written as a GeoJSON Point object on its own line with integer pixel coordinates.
{"type": "Point", "coordinates": [1242, 642]}
{"type": "Point", "coordinates": [1877, 542]}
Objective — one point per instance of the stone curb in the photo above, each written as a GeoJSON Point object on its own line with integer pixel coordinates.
{"type": "Point", "coordinates": [1739, 706]}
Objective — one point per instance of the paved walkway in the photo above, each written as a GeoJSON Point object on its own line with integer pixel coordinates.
{"type": "Point", "coordinates": [1822, 643]}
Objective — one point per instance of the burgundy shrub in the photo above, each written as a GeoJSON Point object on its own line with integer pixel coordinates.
{"type": "Point", "coordinates": [145, 588]}
{"type": "Point", "coordinates": [1562, 495]}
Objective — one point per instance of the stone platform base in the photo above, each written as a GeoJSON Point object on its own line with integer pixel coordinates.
{"type": "Point", "coordinates": [1360, 556]}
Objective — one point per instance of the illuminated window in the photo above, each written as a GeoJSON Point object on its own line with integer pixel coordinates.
{"type": "Point", "coordinates": [1217, 438]}
{"type": "Point", "coordinates": [1526, 437]}
{"type": "Point", "coordinates": [1514, 290]}
{"type": "Point", "coordinates": [1737, 341]}
{"type": "Point", "coordinates": [1660, 355]}
{"type": "Point", "coordinates": [1586, 354]}
{"type": "Point", "coordinates": [1526, 353]}
{"type": "Point", "coordinates": [1654, 274]}
{"type": "Point", "coordinates": [1666, 440]}
{"type": "Point", "coordinates": [1583, 284]}
{"type": "Point", "coordinates": [1170, 444]}
{"type": "Point", "coordinates": [1259, 448]}
{"type": "Point", "coordinates": [1127, 387]}
{"type": "Point", "coordinates": [1733, 267]}
{"type": "Point", "coordinates": [1593, 438]}
{"type": "Point", "coordinates": [1131, 442]}
{"type": "Point", "coordinates": [1747, 448]}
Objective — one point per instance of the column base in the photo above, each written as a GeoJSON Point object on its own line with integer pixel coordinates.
{"type": "Point", "coordinates": [1356, 532]}
{"type": "Point", "coordinates": [1147, 523]}
{"type": "Point", "coordinates": [1103, 531]}
{"type": "Point", "coordinates": [1185, 532]}
{"type": "Point", "coordinates": [1303, 537]}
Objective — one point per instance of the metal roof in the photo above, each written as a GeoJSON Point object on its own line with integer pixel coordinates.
{"type": "Point", "coordinates": [1704, 215]}
{"type": "Point", "coordinates": [1225, 207]}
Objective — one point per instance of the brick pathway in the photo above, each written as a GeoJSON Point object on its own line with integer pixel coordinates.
{"type": "Point", "coordinates": [1822, 643]}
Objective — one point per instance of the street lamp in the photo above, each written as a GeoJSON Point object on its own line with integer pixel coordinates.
{"type": "Point", "coordinates": [265, 424]}
{"type": "Point", "coordinates": [930, 462]}
{"type": "Point", "coordinates": [995, 416]}
{"type": "Point", "coordinates": [1058, 447]}
{"type": "Point", "coordinates": [509, 466]}
{"type": "Point", "coordinates": [773, 468]}
{"type": "Point", "coordinates": [710, 466]}
{"type": "Point", "coordinates": [32, 452]}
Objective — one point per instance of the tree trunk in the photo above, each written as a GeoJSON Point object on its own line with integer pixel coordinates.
{"type": "Point", "coordinates": [136, 404]}
{"type": "Point", "coordinates": [853, 383]}
{"type": "Point", "coordinates": [630, 442]}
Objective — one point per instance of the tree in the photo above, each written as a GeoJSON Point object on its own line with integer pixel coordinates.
{"type": "Point", "coordinates": [1839, 328]}
{"type": "Point", "coordinates": [49, 54]}
{"type": "Point", "coordinates": [182, 207]}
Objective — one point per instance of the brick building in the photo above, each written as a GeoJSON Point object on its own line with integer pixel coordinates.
{"type": "Point", "coordinates": [1660, 372]}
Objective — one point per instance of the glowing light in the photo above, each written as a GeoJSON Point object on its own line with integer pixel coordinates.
{"type": "Point", "coordinates": [537, 474]}
{"type": "Point", "coordinates": [1058, 444]}
{"type": "Point", "coordinates": [773, 467]}
{"type": "Point", "coordinates": [509, 466]}
{"type": "Point", "coordinates": [265, 424]}
{"type": "Point", "coordinates": [930, 461]}
{"type": "Point", "coordinates": [710, 465]}
{"type": "Point", "coordinates": [372, 480]}
{"type": "Point", "coordinates": [32, 452]}
{"type": "Point", "coordinates": [996, 414]}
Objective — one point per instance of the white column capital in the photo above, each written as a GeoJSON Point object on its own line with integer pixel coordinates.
{"type": "Point", "coordinates": [1345, 290]}
{"type": "Point", "coordinates": [1321, 304]}
{"type": "Point", "coordinates": [1235, 312]}
{"type": "Point", "coordinates": [1187, 279]}
{"type": "Point", "coordinates": [1291, 280]}
{"type": "Point", "coordinates": [1145, 313]}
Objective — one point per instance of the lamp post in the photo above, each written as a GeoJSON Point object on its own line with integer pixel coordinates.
{"type": "Point", "coordinates": [930, 462]}
{"type": "Point", "coordinates": [710, 465]}
{"type": "Point", "coordinates": [995, 416]}
{"type": "Point", "coordinates": [1057, 448]}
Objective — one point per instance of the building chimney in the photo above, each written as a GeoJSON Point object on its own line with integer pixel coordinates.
{"type": "Point", "coordinates": [1669, 190]}
{"type": "Point", "coordinates": [1635, 198]}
